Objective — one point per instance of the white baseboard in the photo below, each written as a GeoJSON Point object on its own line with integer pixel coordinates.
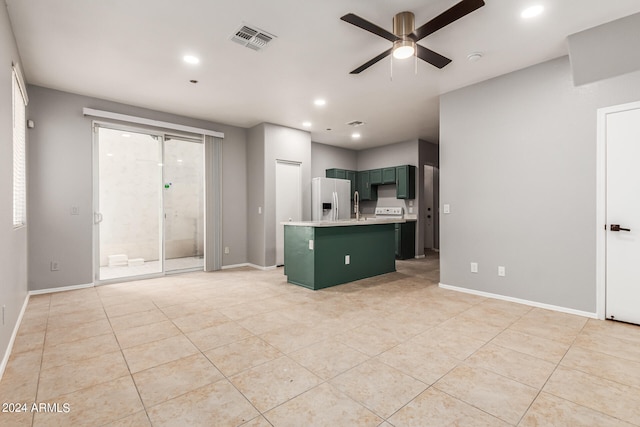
{"type": "Point", "coordinates": [247, 264]}
{"type": "Point", "coordinates": [61, 289]}
{"type": "Point", "coordinates": [259, 267]}
{"type": "Point", "coordinates": [521, 301]}
{"type": "Point", "coordinates": [7, 354]}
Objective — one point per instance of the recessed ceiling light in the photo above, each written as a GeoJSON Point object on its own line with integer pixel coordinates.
{"type": "Point", "coordinates": [190, 59]}
{"type": "Point", "coordinates": [126, 135]}
{"type": "Point", "coordinates": [532, 12]}
{"type": "Point", "coordinates": [306, 124]}
{"type": "Point", "coordinates": [320, 102]}
{"type": "Point", "coordinates": [355, 135]}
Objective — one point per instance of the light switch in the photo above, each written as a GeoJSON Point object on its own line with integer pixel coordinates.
{"type": "Point", "coordinates": [310, 245]}
{"type": "Point", "coordinates": [447, 208]}
{"type": "Point", "coordinates": [347, 259]}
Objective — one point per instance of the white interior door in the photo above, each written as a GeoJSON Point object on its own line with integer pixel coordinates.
{"type": "Point", "coordinates": [623, 216]}
{"type": "Point", "coordinates": [429, 220]}
{"type": "Point", "coordinates": [288, 201]}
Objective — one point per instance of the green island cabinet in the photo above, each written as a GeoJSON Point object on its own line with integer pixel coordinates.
{"type": "Point", "coordinates": [344, 174]}
{"type": "Point", "coordinates": [406, 240]}
{"type": "Point", "coordinates": [318, 256]}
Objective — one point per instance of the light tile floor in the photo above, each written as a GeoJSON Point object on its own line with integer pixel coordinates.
{"type": "Point", "coordinates": [243, 347]}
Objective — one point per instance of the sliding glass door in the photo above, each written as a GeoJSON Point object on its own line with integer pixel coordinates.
{"type": "Point", "coordinates": [149, 203]}
{"type": "Point", "coordinates": [183, 203]}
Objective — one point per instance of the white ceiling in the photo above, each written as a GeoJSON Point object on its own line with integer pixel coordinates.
{"type": "Point", "coordinates": [131, 51]}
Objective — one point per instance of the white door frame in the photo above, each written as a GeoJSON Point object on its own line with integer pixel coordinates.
{"type": "Point", "coordinates": [277, 235]}
{"type": "Point", "coordinates": [601, 204]}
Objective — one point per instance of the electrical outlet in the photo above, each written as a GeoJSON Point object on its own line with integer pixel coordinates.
{"type": "Point", "coordinates": [226, 250]}
{"type": "Point", "coordinates": [474, 267]}
{"type": "Point", "coordinates": [502, 271]}
{"type": "Point", "coordinates": [75, 210]}
{"type": "Point", "coordinates": [347, 259]}
{"type": "Point", "coordinates": [55, 266]}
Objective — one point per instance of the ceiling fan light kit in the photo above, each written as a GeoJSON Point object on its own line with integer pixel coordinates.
{"type": "Point", "coordinates": [405, 36]}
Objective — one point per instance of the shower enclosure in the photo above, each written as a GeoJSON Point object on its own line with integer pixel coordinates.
{"type": "Point", "coordinates": [149, 203]}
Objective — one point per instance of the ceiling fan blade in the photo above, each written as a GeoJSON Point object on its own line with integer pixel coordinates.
{"type": "Point", "coordinates": [450, 15]}
{"type": "Point", "coordinates": [368, 26]}
{"type": "Point", "coordinates": [432, 57]}
{"type": "Point", "coordinates": [371, 62]}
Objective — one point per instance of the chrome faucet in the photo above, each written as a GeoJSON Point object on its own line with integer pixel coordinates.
{"type": "Point", "coordinates": [356, 204]}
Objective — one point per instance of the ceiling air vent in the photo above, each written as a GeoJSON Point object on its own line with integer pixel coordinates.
{"type": "Point", "coordinates": [355, 123]}
{"type": "Point", "coordinates": [252, 38]}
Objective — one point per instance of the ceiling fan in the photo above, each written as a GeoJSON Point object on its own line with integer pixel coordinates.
{"type": "Point", "coordinates": [405, 37]}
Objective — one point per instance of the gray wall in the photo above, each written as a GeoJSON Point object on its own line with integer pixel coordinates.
{"type": "Point", "coordinates": [268, 143]}
{"type": "Point", "coordinates": [518, 167]}
{"type": "Point", "coordinates": [13, 243]}
{"type": "Point", "coordinates": [325, 157]}
{"type": "Point", "coordinates": [605, 51]}
{"type": "Point", "coordinates": [60, 176]}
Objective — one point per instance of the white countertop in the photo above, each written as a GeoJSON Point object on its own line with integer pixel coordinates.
{"type": "Point", "coordinates": [347, 222]}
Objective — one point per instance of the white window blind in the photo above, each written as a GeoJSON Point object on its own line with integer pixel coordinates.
{"type": "Point", "coordinates": [19, 154]}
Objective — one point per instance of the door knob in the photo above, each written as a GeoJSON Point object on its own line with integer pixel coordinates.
{"type": "Point", "coordinates": [616, 227]}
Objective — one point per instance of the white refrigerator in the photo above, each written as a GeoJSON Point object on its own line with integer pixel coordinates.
{"type": "Point", "coordinates": [330, 199]}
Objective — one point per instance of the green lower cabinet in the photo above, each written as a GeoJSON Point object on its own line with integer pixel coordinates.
{"type": "Point", "coordinates": [406, 240]}
{"type": "Point", "coordinates": [406, 182]}
{"type": "Point", "coordinates": [324, 263]}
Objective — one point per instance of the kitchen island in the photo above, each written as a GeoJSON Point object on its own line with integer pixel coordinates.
{"type": "Point", "coordinates": [320, 254]}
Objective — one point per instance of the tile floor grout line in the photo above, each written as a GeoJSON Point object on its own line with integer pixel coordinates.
{"type": "Point", "coordinates": [551, 375]}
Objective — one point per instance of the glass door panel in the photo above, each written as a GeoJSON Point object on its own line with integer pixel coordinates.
{"type": "Point", "coordinates": [183, 203]}
{"type": "Point", "coordinates": [129, 204]}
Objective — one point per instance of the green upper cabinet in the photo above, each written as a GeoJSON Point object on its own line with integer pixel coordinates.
{"type": "Point", "coordinates": [406, 182]}
{"type": "Point", "coordinates": [336, 173]}
{"type": "Point", "coordinates": [389, 175]}
{"type": "Point", "coordinates": [375, 176]}
{"type": "Point", "coordinates": [366, 182]}
{"type": "Point", "coordinates": [366, 191]}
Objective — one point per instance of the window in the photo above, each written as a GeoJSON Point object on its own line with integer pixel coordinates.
{"type": "Point", "coordinates": [19, 153]}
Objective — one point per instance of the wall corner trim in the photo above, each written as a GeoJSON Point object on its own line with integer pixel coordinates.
{"type": "Point", "coordinates": [149, 122]}
{"type": "Point", "coordinates": [5, 357]}
{"type": "Point", "coordinates": [520, 301]}
{"type": "Point", "coordinates": [61, 289]}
